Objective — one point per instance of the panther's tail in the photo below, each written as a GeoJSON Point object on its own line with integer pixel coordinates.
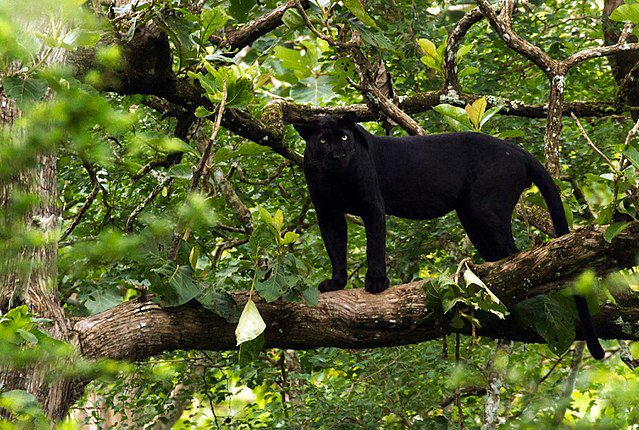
{"type": "Point", "coordinates": [544, 182]}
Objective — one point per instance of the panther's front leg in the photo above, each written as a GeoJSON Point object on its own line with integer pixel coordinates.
{"type": "Point", "coordinates": [333, 228]}
{"type": "Point", "coordinates": [376, 280]}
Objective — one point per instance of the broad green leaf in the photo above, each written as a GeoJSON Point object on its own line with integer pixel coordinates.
{"type": "Point", "coordinates": [462, 51]}
{"type": "Point", "coordinates": [251, 148]}
{"type": "Point", "coordinates": [220, 303]}
{"type": "Point", "coordinates": [261, 238]}
{"type": "Point", "coordinates": [239, 9]}
{"type": "Point", "coordinates": [180, 286]}
{"type": "Point", "coordinates": [552, 317]}
{"type": "Point", "coordinates": [210, 21]}
{"type": "Point", "coordinates": [289, 237]}
{"type": "Point", "coordinates": [292, 19]}
{"type": "Point", "coordinates": [278, 220]}
{"type": "Point", "coordinates": [24, 91]}
{"type": "Point", "coordinates": [626, 13]}
{"type": "Point", "coordinates": [265, 215]}
{"type": "Point", "coordinates": [314, 90]}
{"type": "Point", "coordinates": [488, 115]}
{"type": "Point", "coordinates": [467, 71]}
{"type": "Point", "coordinates": [298, 61]}
{"type": "Point", "coordinates": [511, 134]}
{"type": "Point", "coordinates": [250, 350]}
{"type": "Point", "coordinates": [614, 229]}
{"type": "Point", "coordinates": [102, 299]}
{"type": "Point", "coordinates": [356, 8]}
{"type": "Point", "coordinates": [79, 37]}
{"type": "Point", "coordinates": [250, 325]}
{"type": "Point", "coordinates": [632, 155]}
{"type": "Point", "coordinates": [310, 295]}
{"type": "Point", "coordinates": [181, 171]}
{"type": "Point", "coordinates": [27, 335]}
{"type": "Point", "coordinates": [475, 111]}
{"type": "Point", "coordinates": [432, 58]}
{"type": "Point", "coordinates": [202, 112]}
{"type": "Point", "coordinates": [273, 288]}
{"type": "Point", "coordinates": [455, 116]}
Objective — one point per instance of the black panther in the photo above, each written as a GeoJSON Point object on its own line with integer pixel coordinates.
{"type": "Point", "coordinates": [349, 170]}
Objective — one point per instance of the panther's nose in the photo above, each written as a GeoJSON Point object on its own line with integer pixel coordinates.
{"type": "Point", "coordinates": [339, 156]}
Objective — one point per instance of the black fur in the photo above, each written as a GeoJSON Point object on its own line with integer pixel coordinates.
{"type": "Point", "coordinates": [349, 170]}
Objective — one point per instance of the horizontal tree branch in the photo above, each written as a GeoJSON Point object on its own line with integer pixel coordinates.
{"type": "Point", "coordinates": [356, 319]}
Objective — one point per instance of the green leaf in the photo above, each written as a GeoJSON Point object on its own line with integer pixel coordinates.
{"type": "Point", "coordinates": [488, 115]}
{"type": "Point", "coordinates": [250, 325]}
{"type": "Point", "coordinates": [24, 91]}
{"type": "Point", "coordinates": [220, 303]}
{"type": "Point", "coordinates": [210, 21]}
{"type": "Point", "coordinates": [273, 288]}
{"type": "Point", "coordinates": [239, 9]}
{"type": "Point", "coordinates": [250, 350]}
{"type": "Point", "coordinates": [432, 58]}
{"type": "Point", "coordinates": [180, 286]}
{"type": "Point", "coordinates": [260, 239]}
{"type": "Point", "coordinates": [102, 299]}
{"type": "Point", "coordinates": [292, 19]}
{"type": "Point", "coordinates": [633, 156]}
{"type": "Point", "coordinates": [314, 90]}
{"type": "Point", "coordinates": [462, 51]}
{"type": "Point", "coordinates": [289, 237]}
{"type": "Point", "coordinates": [181, 171]}
{"type": "Point", "coordinates": [356, 8]}
{"type": "Point", "coordinates": [626, 13]}
{"type": "Point", "coordinates": [467, 71]}
{"type": "Point", "coordinates": [614, 229]}
{"type": "Point", "coordinates": [27, 335]}
{"type": "Point", "coordinates": [552, 317]}
{"type": "Point", "coordinates": [79, 37]}
{"type": "Point", "coordinates": [511, 134]}
{"type": "Point", "coordinates": [310, 295]}
{"type": "Point", "coordinates": [455, 116]}
{"type": "Point", "coordinates": [300, 63]}
{"type": "Point", "coordinates": [202, 112]}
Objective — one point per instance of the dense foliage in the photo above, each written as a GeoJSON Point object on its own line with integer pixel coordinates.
{"type": "Point", "coordinates": [144, 214]}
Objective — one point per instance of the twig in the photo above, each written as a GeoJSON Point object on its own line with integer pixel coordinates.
{"type": "Point", "coordinates": [575, 365]}
{"type": "Point", "coordinates": [87, 203]}
{"type": "Point", "coordinates": [592, 145]}
{"type": "Point", "coordinates": [139, 208]}
{"type": "Point", "coordinates": [197, 174]}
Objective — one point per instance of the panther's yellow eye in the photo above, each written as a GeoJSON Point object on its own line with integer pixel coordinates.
{"type": "Point", "coordinates": [345, 137]}
{"type": "Point", "coordinates": [322, 140]}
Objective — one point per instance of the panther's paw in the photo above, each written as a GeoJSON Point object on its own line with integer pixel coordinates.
{"type": "Point", "coordinates": [330, 285]}
{"type": "Point", "coordinates": [376, 284]}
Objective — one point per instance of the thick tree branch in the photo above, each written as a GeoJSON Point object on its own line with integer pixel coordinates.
{"type": "Point", "coordinates": [357, 319]}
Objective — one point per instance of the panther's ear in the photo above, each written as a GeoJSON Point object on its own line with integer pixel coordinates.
{"type": "Point", "coordinates": [305, 130]}
{"type": "Point", "coordinates": [349, 119]}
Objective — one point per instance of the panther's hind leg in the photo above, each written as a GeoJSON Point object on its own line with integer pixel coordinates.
{"type": "Point", "coordinates": [490, 232]}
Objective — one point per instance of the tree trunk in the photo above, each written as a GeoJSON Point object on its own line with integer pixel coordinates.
{"type": "Point", "coordinates": [36, 285]}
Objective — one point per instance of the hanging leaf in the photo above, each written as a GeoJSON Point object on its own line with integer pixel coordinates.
{"type": "Point", "coordinates": [250, 325]}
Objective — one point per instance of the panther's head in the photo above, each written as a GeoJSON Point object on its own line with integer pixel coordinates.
{"type": "Point", "coordinates": [330, 141]}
